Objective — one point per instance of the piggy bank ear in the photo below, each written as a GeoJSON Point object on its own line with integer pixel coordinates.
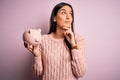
{"type": "Point", "coordinates": [30, 31]}
{"type": "Point", "coordinates": [39, 30]}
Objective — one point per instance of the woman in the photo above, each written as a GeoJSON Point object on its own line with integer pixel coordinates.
{"type": "Point", "coordinates": [60, 56]}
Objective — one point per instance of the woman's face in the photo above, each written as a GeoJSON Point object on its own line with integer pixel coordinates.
{"type": "Point", "coordinates": [64, 17]}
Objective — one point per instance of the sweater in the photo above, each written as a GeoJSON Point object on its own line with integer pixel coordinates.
{"type": "Point", "coordinates": [56, 62]}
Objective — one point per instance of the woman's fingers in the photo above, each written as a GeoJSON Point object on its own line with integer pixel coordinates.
{"type": "Point", "coordinates": [68, 33]}
{"type": "Point", "coordinates": [32, 48]}
{"type": "Point", "coordinates": [29, 47]}
{"type": "Point", "coordinates": [36, 49]}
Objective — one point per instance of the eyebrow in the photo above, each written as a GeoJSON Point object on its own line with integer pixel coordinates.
{"type": "Point", "coordinates": [64, 10]}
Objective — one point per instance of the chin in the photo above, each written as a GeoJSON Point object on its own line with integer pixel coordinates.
{"type": "Point", "coordinates": [66, 25]}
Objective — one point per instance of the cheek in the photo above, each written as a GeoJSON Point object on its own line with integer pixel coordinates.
{"type": "Point", "coordinates": [60, 20]}
{"type": "Point", "coordinates": [71, 18]}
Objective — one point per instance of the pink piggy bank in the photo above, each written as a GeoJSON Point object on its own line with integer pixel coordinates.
{"type": "Point", "coordinates": [32, 37]}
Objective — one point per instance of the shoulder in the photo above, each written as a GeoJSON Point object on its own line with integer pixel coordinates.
{"type": "Point", "coordinates": [44, 37]}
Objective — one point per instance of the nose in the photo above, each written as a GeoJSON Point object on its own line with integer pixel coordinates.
{"type": "Point", "coordinates": [68, 16]}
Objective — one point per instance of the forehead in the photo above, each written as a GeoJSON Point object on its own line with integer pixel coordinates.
{"type": "Point", "coordinates": [66, 8]}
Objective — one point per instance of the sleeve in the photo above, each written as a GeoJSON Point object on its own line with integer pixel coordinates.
{"type": "Point", "coordinates": [78, 58]}
{"type": "Point", "coordinates": [38, 66]}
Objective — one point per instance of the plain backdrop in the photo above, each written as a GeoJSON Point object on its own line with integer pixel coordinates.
{"type": "Point", "coordinates": [98, 21]}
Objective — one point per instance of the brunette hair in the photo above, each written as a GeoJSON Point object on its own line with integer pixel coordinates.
{"type": "Point", "coordinates": [53, 24]}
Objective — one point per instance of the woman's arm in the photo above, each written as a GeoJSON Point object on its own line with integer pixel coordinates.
{"type": "Point", "coordinates": [38, 68]}
{"type": "Point", "coordinates": [78, 58]}
{"type": "Point", "coordinates": [36, 51]}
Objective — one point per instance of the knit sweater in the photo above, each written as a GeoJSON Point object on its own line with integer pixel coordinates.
{"type": "Point", "coordinates": [56, 63]}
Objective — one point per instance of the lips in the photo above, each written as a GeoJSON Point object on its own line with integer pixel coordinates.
{"type": "Point", "coordinates": [68, 22]}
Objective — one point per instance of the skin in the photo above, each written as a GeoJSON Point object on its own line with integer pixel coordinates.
{"type": "Point", "coordinates": [63, 17]}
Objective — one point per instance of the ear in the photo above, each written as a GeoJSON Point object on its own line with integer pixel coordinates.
{"type": "Point", "coordinates": [54, 19]}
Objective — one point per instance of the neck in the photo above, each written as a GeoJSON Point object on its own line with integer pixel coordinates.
{"type": "Point", "coordinates": [59, 33]}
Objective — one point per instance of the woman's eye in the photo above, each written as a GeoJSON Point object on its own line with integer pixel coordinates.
{"type": "Point", "coordinates": [71, 13]}
{"type": "Point", "coordinates": [63, 12]}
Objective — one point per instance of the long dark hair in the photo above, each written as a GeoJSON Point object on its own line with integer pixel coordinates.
{"type": "Point", "coordinates": [53, 24]}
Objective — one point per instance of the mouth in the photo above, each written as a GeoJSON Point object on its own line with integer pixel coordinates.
{"type": "Point", "coordinates": [67, 22]}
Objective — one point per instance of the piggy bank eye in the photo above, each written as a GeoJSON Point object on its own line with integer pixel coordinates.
{"type": "Point", "coordinates": [29, 31]}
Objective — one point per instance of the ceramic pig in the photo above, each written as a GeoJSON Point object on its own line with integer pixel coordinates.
{"type": "Point", "coordinates": [32, 36]}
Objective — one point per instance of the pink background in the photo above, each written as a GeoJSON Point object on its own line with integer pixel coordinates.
{"type": "Point", "coordinates": [98, 21]}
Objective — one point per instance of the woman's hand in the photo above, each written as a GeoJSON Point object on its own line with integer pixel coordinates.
{"type": "Point", "coordinates": [70, 36]}
{"type": "Point", "coordinates": [34, 49]}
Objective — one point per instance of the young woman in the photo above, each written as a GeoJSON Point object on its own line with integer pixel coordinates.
{"type": "Point", "coordinates": [60, 56]}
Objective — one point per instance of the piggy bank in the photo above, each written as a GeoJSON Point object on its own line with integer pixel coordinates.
{"type": "Point", "coordinates": [32, 36]}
